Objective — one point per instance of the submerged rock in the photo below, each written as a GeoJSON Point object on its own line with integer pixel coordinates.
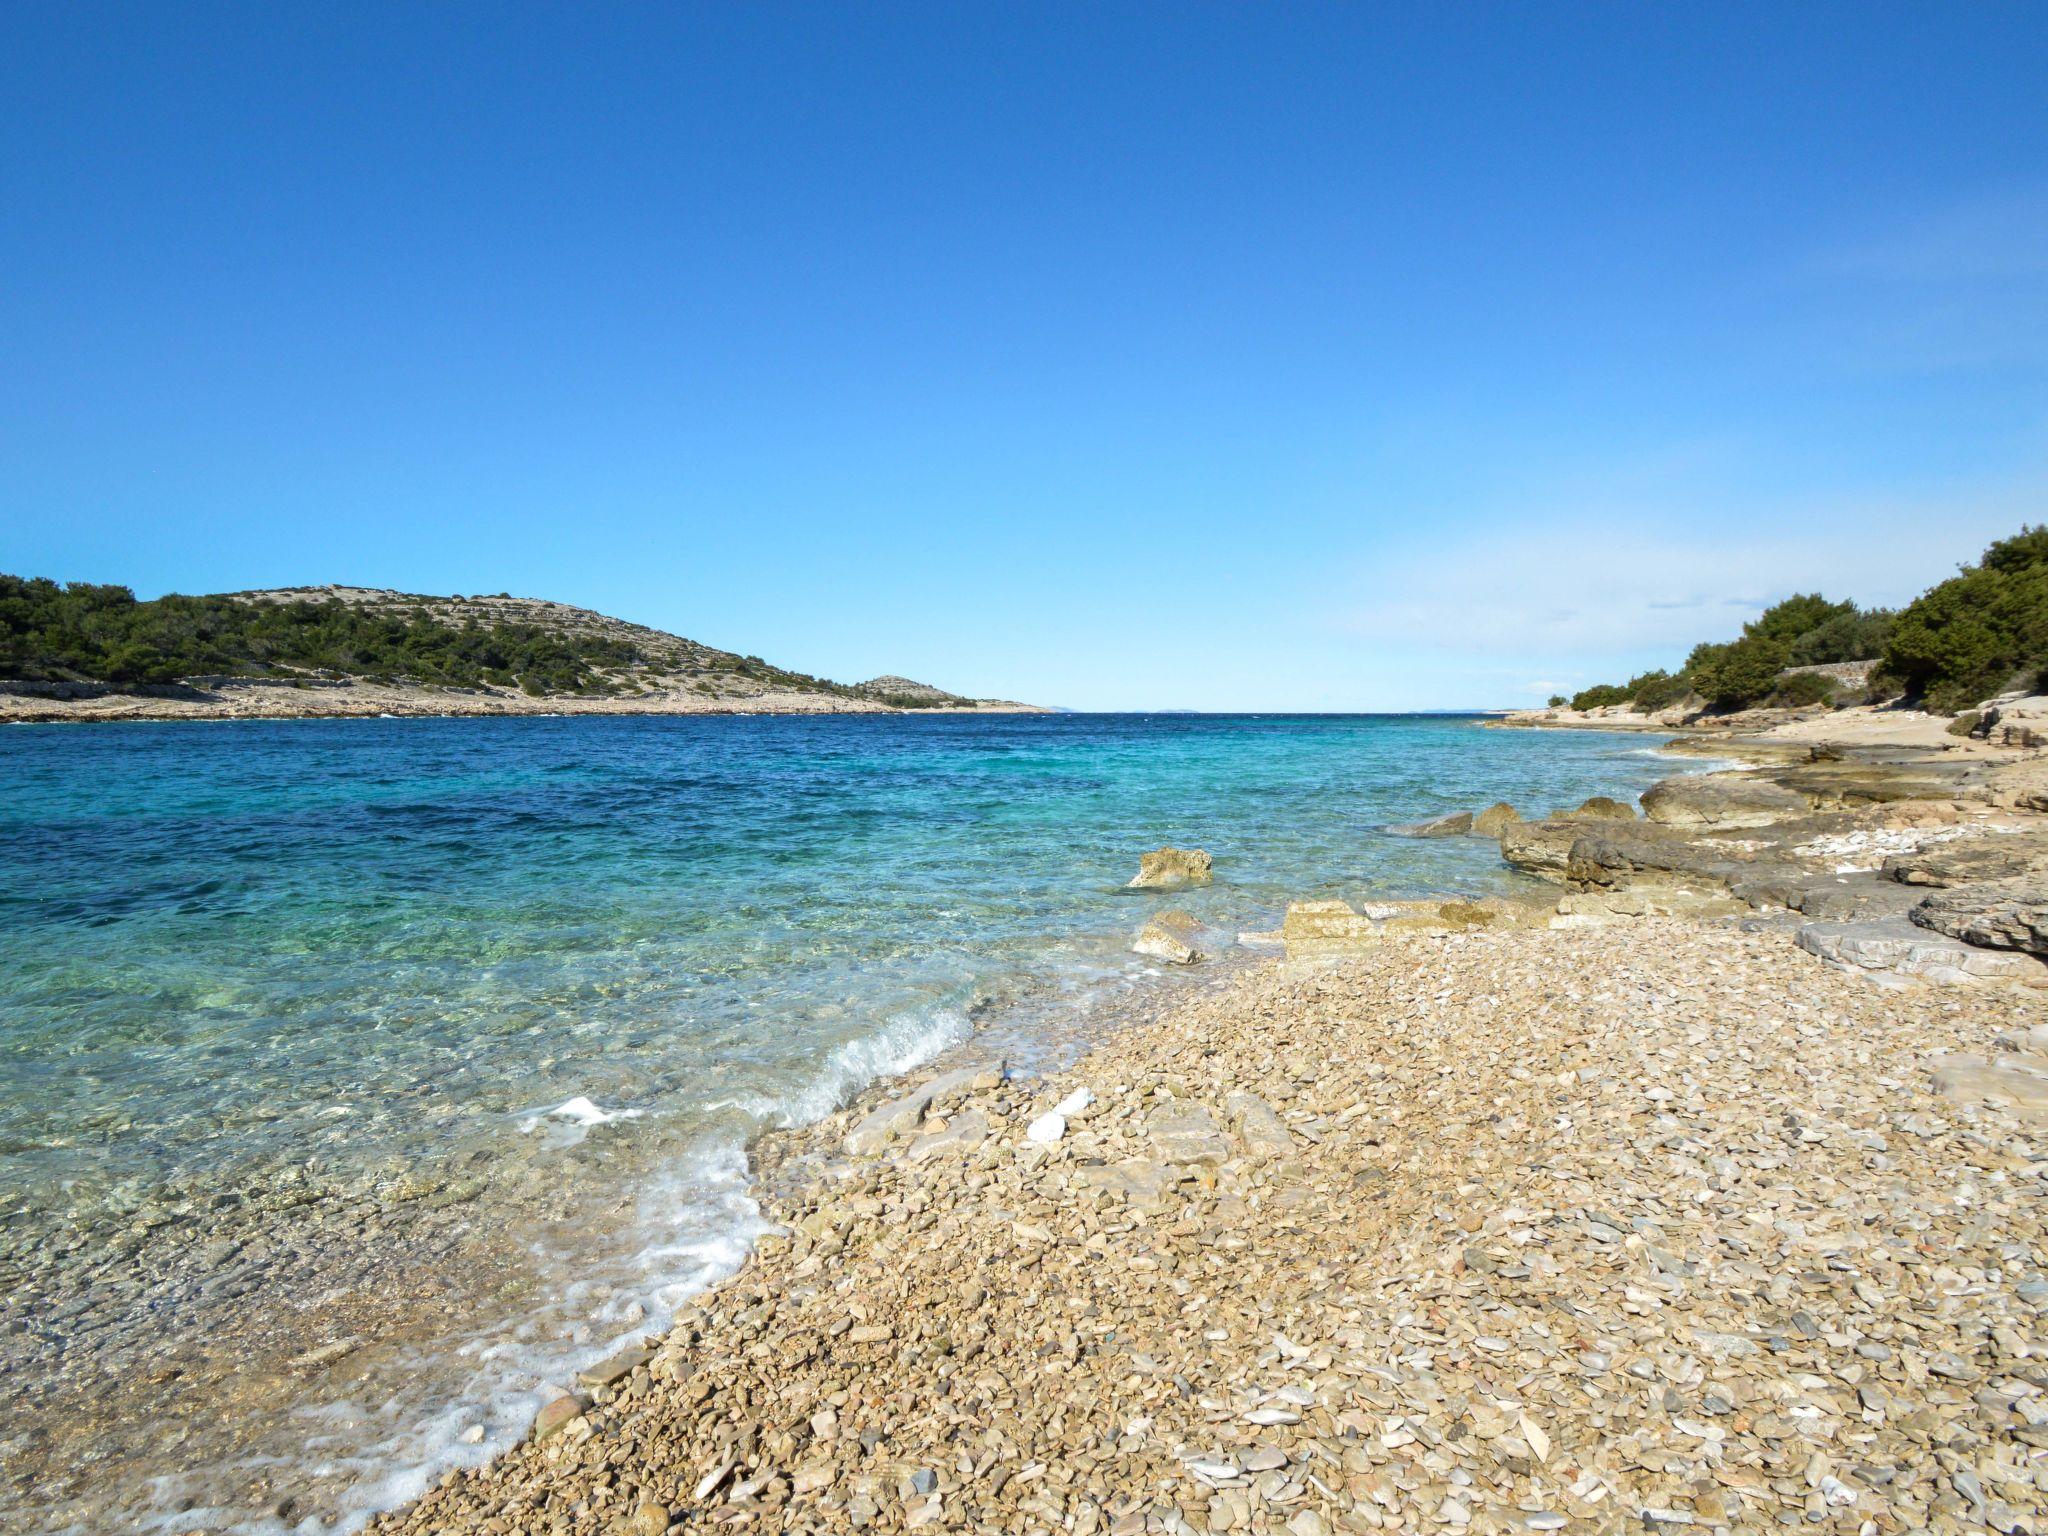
{"type": "Point", "coordinates": [1457, 824]}
{"type": "Point", "coordinates": [1166, 869]}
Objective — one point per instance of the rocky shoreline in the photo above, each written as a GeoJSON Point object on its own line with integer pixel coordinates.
{"type": "Point", "coordinates": [1623, 1205]}
{"type": "Point", "coordinates": [250, 699]}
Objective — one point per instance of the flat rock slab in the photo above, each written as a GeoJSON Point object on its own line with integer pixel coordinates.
{"type": "Point", "coordinates": [1721, 800]}
{"type": "Point", "coordinates": [2002, 914]}
{"type": "Point", "coordinates": [899, 1117]}
{"type": "Point", "coordinates": [1972, 861]}
{"type": "Point", "coordinates": [962, 1134]}
{"type": "Point", "coordinates": [2007, 1079]}
{"type": "Point", "coordinates": [1315, 930]}
{"type": "Point", "coordinates": [1184, 1132]}
{"type": "Point", "coordinates": [1891, 944]}
{"type": "Point", "coordinates": [1142, 1182]}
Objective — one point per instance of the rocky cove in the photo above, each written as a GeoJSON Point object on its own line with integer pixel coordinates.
{"type": "Point", "coordinates": [1702, 1189]}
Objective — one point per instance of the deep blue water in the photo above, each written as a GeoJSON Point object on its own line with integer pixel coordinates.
{"type": "Point", "coordinates": [395, 942]}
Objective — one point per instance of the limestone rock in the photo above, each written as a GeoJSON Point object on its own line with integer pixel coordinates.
{"type": "Point", "coordinates": [2012, 1080]}
{"type": "Point", "coordinates": [1541, 848]}
{"type": "Point", "coordinates": [1184, 1132]}
{"type": "Point", "coordinates": [1170, 936]}
{"type": "Point", "coordinates": [2000, 914]}
{"type": "Point", "coordinates": [1258, 1126]}
{"type": "Point", "coordinates": [1721, 800]}
{"type": "Point", "coordinates": [557, 1415]}
{"type": "Point", "coordinates": [1965, 862]}
{"type": "Point", "coordinates": [1893, 945]}
{"type": "Point", "coordinates": [1167, 869]}
{"type": "Point", "coordinates": [1598, 808]}
{"type": "Point", "coordinates": [961, 1135]}
{"type": "Point", "coordinates": [1316, 930]}
{"type": "Point", "coordinates": [1146, 1184]}
{"type": "Point", "coordinates": [1490, 822]}
{"type": "Point", "coordinates": [900, 1116]}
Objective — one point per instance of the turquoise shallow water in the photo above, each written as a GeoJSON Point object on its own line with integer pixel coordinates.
{"type": "Point", "coordinates": [323, 966]}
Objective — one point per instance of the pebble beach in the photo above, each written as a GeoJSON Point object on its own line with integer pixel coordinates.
{"type": "Point", "coordinates": [1657, 1225]}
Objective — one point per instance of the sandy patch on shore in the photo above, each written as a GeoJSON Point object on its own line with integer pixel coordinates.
{"type": "Point", "coordinates": [1657, 1222]}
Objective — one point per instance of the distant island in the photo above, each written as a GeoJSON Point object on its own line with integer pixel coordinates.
{"type": "Point", "coordinates": [85, 651]}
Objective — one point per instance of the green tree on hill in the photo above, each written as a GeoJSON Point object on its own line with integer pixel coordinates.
{"type": "Point", "coordinates": [1982, 630]}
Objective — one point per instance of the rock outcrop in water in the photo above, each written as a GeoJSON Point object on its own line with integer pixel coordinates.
{"type": "Point", "coordinates": [1172, 936]}
{"type": "Point", "coordinates": [1171, 869]}
{"type": "Point", "coordinates": [1491, 821]}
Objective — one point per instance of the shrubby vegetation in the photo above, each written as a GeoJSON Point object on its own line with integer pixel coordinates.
{"type": "Point", "coordinates": [1979, 632]}
{"type": "Point", "coordinates": [1974, 635]}
{"type": "Point", "coordinates": [80, 631]}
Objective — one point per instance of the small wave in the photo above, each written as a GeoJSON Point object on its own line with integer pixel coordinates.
{"type": "Point", "coordinates": [903, 1043]}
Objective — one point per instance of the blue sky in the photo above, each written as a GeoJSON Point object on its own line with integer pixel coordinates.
{"type": "Point", "coordinates": [1290, 356]}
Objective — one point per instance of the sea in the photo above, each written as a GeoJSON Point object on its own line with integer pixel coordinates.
{"type": "Point", "coordinates": [362, 1080]}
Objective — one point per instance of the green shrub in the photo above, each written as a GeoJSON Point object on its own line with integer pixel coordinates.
{"type": "Point", "coordinates": [1797, 616]}
{"type": "Point", "coordinates": [1974, 634]}
{"type": "Point", "coordinates": [1858, 635]}
{"type": "Point", "coordinates": [1798, 689]}
{"type": "Point", "coordinates": [1599, 696]}
{"type": "Point", "coordinates": [1738, 674]}
{"type": "Point", "coordinates": [1659, 690]}
{"type": "Point", "coordinates": [1558, 701]}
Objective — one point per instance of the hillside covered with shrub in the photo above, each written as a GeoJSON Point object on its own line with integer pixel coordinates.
{"type": "Point", "coordinates": [1981, 632]}
{"type": "Point", "coordinates": [53, 632]}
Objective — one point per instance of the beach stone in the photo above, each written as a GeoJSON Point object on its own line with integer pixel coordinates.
{"type": "Point", "coordinates": [649, 1519]}
{"type": "Point", "coordinates": [1721, 800]}
{"type": "Point", "coordinates": [1184, 1132]}
{"type": "Point", "coordinates": [900, 1116]}
{"type": "Point", "coordinates": [1165, 869]}
{"type": "Point", "coordinates": [619, 1366]}
{"type": "Point", "coordinates": [1047, 1129]}
{"type": "Point", "coordinates": [557, 1415]}
{"type": "Point", "coordinates": [1260, 1129]}
{"type": "Point", "coordinates": [1490, 822]}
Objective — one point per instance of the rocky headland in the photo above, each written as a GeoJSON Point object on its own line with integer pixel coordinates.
{"type": "Point", "coordinates": [352, 652]}
{"type": "Point", "coordinates": [1699, 1186]}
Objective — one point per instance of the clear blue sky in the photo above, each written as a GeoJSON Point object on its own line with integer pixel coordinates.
{"type": "Point", "coordinates": [1309, 356]}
